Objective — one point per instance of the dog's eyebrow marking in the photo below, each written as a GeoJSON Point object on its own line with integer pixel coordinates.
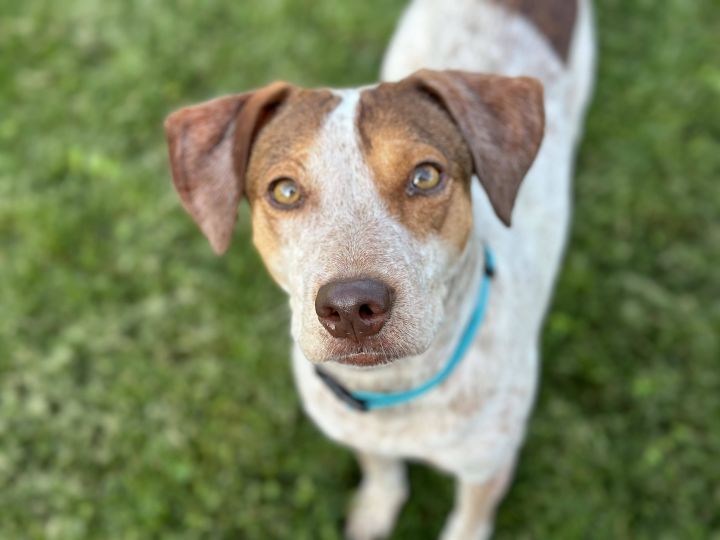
{"type": "Point", "coordinates": [555, 19]}
{"type": "Point", "coordinates": [297, 163]}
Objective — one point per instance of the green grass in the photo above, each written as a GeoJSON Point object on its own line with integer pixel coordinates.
{"type": "Point", "coordinates": [144, 383]}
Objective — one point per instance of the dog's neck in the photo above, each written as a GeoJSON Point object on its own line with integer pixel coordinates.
{"type": "Point", "coordinates": [405, 373]}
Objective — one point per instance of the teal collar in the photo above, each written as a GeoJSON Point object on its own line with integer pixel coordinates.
{"type": "Point", "coordinates": [368, 401]}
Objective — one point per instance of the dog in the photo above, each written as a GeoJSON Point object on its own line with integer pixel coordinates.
{"type": "Point", "coordinates": [417, 226]}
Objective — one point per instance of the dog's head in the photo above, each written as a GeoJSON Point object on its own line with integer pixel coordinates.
{"type": "Point", "coordinates": [360, 199]}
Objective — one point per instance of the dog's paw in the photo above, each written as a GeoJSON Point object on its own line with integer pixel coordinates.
{"type": "Point", "coordinates": [373, 513]}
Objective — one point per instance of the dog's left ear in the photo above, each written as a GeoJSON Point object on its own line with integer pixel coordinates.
{"type": "Point", "coordinates": [209, 148]}
{"type": "Point", "coordinates": [502, 120]}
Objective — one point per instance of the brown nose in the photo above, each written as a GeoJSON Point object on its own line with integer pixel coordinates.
{"type": "Point", "coordinates": [353, 309]}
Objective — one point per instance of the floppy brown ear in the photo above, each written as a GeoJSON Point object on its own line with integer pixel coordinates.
{"type": "Point", "coordinates": [209, 147]}
{"type": "Point", "coordinates": [502, 120]}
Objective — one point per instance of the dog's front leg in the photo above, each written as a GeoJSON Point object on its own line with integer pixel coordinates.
{"type": "Point", "coordinates": [475, 504]}
{"type": "Point", "coordinates": [381, 494]}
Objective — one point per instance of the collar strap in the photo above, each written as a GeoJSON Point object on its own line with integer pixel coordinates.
{"type": "Point", "coordinates": [367, 401]}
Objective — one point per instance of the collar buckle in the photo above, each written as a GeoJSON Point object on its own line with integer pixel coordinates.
{"type": "Point", "coordinates": [342, 393]}
{"type": "Point", "coordinates": [489, 264]}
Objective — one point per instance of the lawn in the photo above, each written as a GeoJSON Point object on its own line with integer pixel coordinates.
{"type": "Point", "coordinates": [145, 389]}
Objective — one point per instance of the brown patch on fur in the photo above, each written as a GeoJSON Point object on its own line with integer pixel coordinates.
{"type": "Point", "coordinates": [280, 149]}
{"type": "Point", "coordinates": [400, 128]}
{"type": "Point", "coordinates": [439, 116]}
{"type": "Point", "coordinates": [555, 19]}
{"type": "Point", "coordinates": [467, 403]}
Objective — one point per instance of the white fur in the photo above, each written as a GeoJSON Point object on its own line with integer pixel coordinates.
{"type": "Point", "coordinates": [473, 424]}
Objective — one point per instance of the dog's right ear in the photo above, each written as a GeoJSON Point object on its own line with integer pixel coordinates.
{"type": "Point", "coordinates": [209, 147]}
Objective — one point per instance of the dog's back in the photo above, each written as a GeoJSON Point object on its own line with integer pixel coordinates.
{"type": "Point", "coordinates": [552, 40]}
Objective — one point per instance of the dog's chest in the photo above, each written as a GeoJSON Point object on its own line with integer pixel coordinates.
{"type": "Point", "coordinates": [479, 407]}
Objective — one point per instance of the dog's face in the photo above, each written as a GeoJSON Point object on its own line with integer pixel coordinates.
{"type": "Point", "coordinates": [360, 199]}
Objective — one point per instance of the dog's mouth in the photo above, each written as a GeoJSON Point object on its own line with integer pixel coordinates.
{"type": "Point", "coordinates": [364, 359]}
{"type": "Point", "coordinates": [376, 351]}
{"type": "Point", "coordinates": [373, 351]}
{"type": "Point", "coordinates": [367, 355]}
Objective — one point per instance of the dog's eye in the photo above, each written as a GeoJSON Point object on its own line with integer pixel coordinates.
{"type": "Point", "coordinates": [284, 192]}
{"type": "Point", "coordinates": [425, 177]}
